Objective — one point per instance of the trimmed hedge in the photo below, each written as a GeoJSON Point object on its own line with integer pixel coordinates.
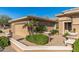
{"type": "Point", "coordinates": [39, 39]}
{"type": "Point", "coordinates": [76, 46]}
{"type": "Point", "coordinates": [4, 41]}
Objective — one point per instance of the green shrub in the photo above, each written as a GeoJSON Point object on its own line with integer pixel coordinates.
{"type": "Point", "coordinates": [54, 31]}
{"type": "Point", "coordinates": [39, 39]}
{"type": "Point", "coordinates": [66, 34]}
{"type": "Point", "coordinates": [40, 28]}
{"type": "Point", "coordinates": [4, 41]}
{"type": "Point", "coordinates": [76, 46]}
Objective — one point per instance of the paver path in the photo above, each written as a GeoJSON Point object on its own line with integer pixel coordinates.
{"type": "Point", "coordinates": [58, 40]}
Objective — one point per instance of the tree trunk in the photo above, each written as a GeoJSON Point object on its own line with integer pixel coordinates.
{"type": "Point", "coordinates": [29, 30]}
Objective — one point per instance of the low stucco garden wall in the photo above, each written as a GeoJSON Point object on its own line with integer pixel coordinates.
{"type": "Point", "coordinates": [19, 47]}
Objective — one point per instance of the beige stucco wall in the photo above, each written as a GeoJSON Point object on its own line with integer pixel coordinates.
{"type": "Point", "coordinates": [75, 24]}
{"type": "Point", "coordinates": [12, 28]}
{"type": "Point", "coordinates": [64, 18]}
{"type": "Point", "coordinates": [75, 20]}
{"type": "Point", "coordinates": [61, 27]}
{"type": "Point", "coordinates": [17, 29]}
{"type": "Point", "coordinates": [61, 21]}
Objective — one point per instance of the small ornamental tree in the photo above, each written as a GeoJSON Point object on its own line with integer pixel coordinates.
{"type": "Point", "coordinates": [4, 21]}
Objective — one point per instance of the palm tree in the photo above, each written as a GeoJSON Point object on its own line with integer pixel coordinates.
{"type": "Point", "coordinates": [29, 26]}
{"type": "Point", "coordinates": [34, 26]}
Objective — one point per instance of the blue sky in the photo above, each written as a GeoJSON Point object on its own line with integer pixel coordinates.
{"type": "Point", "coordinates": [16, 12]}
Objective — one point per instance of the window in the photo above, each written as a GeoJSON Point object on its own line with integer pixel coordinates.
{"type": "Point", "coordinates": [68, 26]}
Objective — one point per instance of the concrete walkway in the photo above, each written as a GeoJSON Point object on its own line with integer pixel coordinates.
{"type": "Point", "coordinates": [9, 49]}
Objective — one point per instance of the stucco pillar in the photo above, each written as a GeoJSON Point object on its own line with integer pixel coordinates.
{"type": "Point", "coordinates": [61, 27]}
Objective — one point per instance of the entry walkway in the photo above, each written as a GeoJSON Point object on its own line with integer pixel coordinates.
{"type": "Point", "coordinates": [58, 40]}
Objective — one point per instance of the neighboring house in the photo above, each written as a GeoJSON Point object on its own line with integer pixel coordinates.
{"type": "Point", "coordinates": [17, 25]}
{"type": "Point", "coordinates": [69, 21]}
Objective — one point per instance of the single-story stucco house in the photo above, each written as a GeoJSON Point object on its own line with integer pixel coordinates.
{"type": "Point", "coordinates": [68, 21]}
{"type": "Point", "coordinates": [17, 25]}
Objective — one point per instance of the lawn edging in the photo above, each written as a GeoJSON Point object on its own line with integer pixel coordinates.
{"type": "Point", "coordinates": [21, 47]}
